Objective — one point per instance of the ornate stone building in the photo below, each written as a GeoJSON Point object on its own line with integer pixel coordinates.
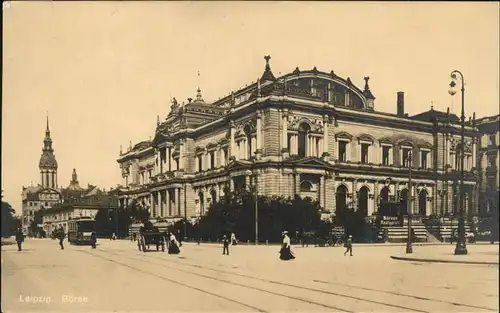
{"type": "Point", "coordinates": [488, 164]}
{"type": "Point", "coordinates": [309, 133]}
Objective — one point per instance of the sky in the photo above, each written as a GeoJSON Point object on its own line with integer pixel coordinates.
{"type": "Point", "coordinates": [103, 71]}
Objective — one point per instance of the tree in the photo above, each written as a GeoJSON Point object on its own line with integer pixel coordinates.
{"type": "Point", "coordinates": [102, 223]}
{"type": "Point", "coordinates": [236, 213]}
{"type": "Point", "coordinates": [7, 219]}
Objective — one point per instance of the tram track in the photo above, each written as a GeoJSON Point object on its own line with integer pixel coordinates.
{"type": "Point", "coordinates": [175, 281]}
{"type": "Point", "coordinates": [269, 281]}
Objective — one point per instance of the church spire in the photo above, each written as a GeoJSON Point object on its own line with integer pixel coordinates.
{"type": "Point", "coordinates": [47, 142]}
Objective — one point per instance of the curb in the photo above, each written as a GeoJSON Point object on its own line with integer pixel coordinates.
{"type": "Point", "coordinates": [399, 258]}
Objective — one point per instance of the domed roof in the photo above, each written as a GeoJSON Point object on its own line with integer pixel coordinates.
{"type": "Point", "coordinates": [48, 160]}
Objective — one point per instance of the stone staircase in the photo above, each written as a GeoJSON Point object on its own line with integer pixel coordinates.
{"type": "Point", "coordinates": [396, 229]}
{"type": "Point", "coordinates": [447, 226]}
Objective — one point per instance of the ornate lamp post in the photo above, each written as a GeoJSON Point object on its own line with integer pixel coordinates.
{"type": "Point", "coordinates": [460, 248]}
{"type": "Point", "coordinates": [256, 195]}
{"type": "Point", "coordinates": [409, 247]}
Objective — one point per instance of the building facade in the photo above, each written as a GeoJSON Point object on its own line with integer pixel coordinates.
{"type": "Point", "coordinates": [87, 205]}
{"type": "Point", "coordinates": [48, 193]}
{"type": "Point", "coordinates": [307, 133]}
{"type": "Point", "coordinates": [488, 164]}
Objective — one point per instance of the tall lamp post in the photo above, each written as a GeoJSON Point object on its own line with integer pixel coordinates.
{"type": "Point", "coordinates": [460, 248]}
{"type": "Point", "coordinates": [256, 195]}
{"type": "Point", "coordinates": [409, 247]}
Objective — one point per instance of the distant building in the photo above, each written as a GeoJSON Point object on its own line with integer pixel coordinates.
{"type": "Point", "coordinates": [48, 193]}
{"type": "Point", "coordinates": [488, 165]}
{"type": "Point", "coordinates": [308, 133]}
{"type": "Point", "coordinates": [86, 205]}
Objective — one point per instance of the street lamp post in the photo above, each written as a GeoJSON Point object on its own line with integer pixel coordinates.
{"type": "Point", "coordinates": [256, 196]}
{"type": "Point", "coordinates": [185, 213]}
{"type": "Point", "coordinates": [409, 247]}
{"type": "Point", "coordinates": [460, 248]}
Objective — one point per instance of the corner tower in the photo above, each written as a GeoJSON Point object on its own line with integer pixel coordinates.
{"type": "Point", "coordinates": [48, 163]}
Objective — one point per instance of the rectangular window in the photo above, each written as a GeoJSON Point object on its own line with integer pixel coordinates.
{"type": "Point", "coordinates": [385, 154]}
{"type": "Point", "coordinates": [177, 164]}
{"type": "Point", "coordinates": [364, 153]}
{"type": "Point", "coordinates": [423, 159]}
{"type": "Point", "coordinates": [405, 154]}
{"type": "Point", "coordinates": [492, 139]}
{"type": "Point", "coordinates": [457, 161]}
{"type": "Point", "coordinates": [226, 153]}
{"type": "Point", "coordinates": [342, 151]}
{"type": "Point", "coordinates": [200, 163]}
{"type": "Point", "coordinates": [212, 159]}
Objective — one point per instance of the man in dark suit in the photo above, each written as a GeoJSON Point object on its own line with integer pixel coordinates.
{"type": "Point", "coordinates": [19, 239]}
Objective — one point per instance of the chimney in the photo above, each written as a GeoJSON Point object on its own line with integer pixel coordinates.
{"type": "Point", "coordinates": [401, 104]}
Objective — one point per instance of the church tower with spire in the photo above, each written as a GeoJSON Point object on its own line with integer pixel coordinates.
{"type": "Point", "coordinates": [48, 163]}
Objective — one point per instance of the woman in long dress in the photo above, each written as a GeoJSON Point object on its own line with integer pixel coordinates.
{"type": "Point", "coordinates": [173, 247]}
{"type": "Point", "coordinates": [285, 252]}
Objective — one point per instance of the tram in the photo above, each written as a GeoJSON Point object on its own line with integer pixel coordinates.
{"type": "Point", "coordinates": [80, 230]}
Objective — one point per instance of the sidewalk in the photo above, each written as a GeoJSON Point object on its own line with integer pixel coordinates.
{"type": "Point", "coordinates": [477, 254]}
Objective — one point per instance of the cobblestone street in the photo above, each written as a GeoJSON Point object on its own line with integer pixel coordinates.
{"type": "Point", "coordinates": [117, 277]}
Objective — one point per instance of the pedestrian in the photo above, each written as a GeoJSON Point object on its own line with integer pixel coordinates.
{"type": "Point", "coordinates": [225, 243]}
{"type": "Point", "coordinates": [285, 252]}
{"type": "Point", "coordinates": [134, 235]}
{"type": "Point", "coordinates": [234, 242]}
{"type": "Point", "coordinates": [19, 239]}
{"type": "Point", "coordinates": [173, 247]}
{"type": "Point", "coordinates": [93, 239]}
{"type": "Point", "coordinates": [180, 237]}
{"type": "Point", "coordinates": [61, 237]}
{"type": "Point", "coordinates": [348, 245]}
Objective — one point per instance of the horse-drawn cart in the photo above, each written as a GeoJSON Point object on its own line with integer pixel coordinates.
{"type": "Point", "coordinates": [151, 237]}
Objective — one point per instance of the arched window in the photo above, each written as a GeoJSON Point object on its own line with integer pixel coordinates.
{"type": "Point", "coordinates": [422, 202]}
{"type": "Point", "coordinates": [363, 200]}
{"type": "Point", "coordinates": [213, 195]}
{"type": "Point", "coordinates": [341, 199]}
{"type": "Point", "coordinates": [305, 186]}
{"type": "Point", "coordinates": [303, 137]}
{"type": "Point", "coordinates": [248, 136]}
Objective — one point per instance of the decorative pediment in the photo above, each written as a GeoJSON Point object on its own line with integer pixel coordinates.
{"type": "Point", "coordinates": [343, 135]}
{"type": "Point", "coordinates": [311, 161]}
{"type": "Point", "coordinates": [211, 146]}
{"type": "Point", "coordinates": [425, 145]}
{"type": "Point", "coordinates": [235, 164]}
{"type": "Point", "coordinates": [246, 127]}
{"type": "Point", "coordinates": [366, 137]}
{"type": "Point", "coordinates": [199, 149]}
{"type": "Point", "coordinates": [386, 140]}
{"type": "Point", "coordinates": [406, 142]}
{"type": "Point", "coordinates": [223, 141]}
{"type": "Point", "coordinates": [315, 125]}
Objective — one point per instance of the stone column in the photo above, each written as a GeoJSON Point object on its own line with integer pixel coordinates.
{"type": "Point", "coordinates": [258, 138]}
{"type": "Point", "coordinates": [178, 201]}
{"type": "Point", "coordinates": [474, 149]}
{"type": "Point", "coordinates": [181, 156]}
{"type": "Point", "coordinates": [232, 146]}
{"type": "Point", "coordinates": [158, 166]}
{"type": "Point", "coordinates": [284, 130]}
{"type": "Point", "coordinates": [161, 201]}
{"type": "Point", "coordinates": [297, 184]}
{"type": "Point", "coordinates": [168, 203]}
{"type": "Point", "coordinates": [325, 147]}
{"type": "Point", "coordinates": [321, 190]}
{"type": "Point", "coordinates": [231, 184]}
{"type": "Point", "coordinates": [247, 182]}
{"type": "Point", "coordinates": [152, 204]}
